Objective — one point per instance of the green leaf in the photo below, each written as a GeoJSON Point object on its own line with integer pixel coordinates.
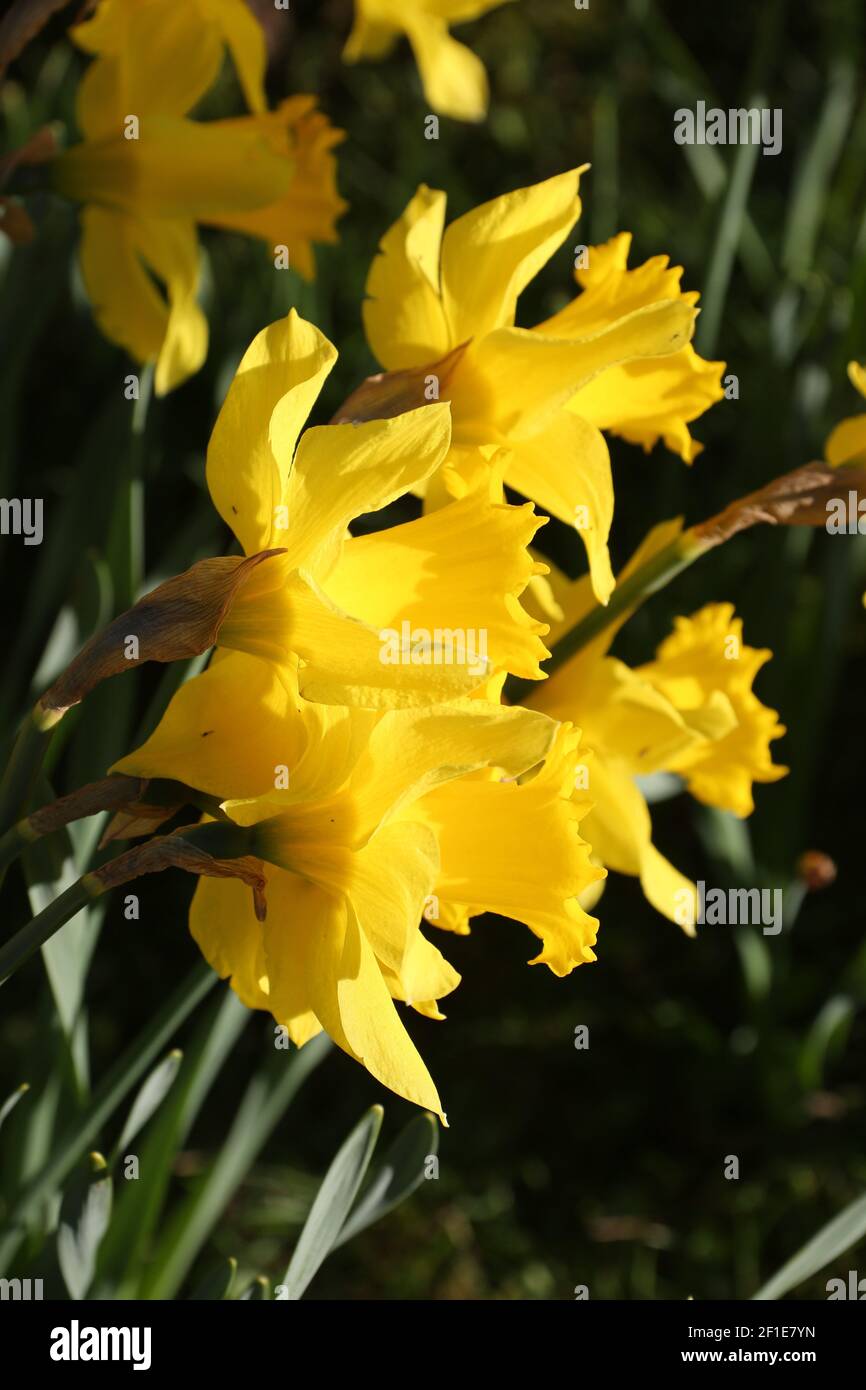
{"type": "Point", "coordinates": [11, 1101]}
{"type": "Point", "coordinates": [217, 1284]}
{"type": "Point", "coordinates": [828, 1033]}
{"type": "Point", "coordinates": [401, 1172]}
{"type": "Point", "coordinates": [149, 1098]}
{"type": "Point", "coordinates": [267, 1097]}
{"type": "Point", "coordinates": [117, 1084]}
{"type": "Point", "coordinates": [833, 1240]}
{"type": "Point", "coordinates": [332, 1204]}
{"type": "Point", "coordinates": [139, 1207]}
{"type": "Point", "coordinates": [84, 1218]}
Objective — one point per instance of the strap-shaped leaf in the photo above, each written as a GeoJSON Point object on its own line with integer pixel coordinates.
{"type": "Point", "coordinates": [11, 1101]}
{"type": "Point", "coordinates": [333, 1203]}
{"type": "Point", "coordinates": [834, 1239]}
{"type": "Point", "coordinates": [401, 1172]}
{"type": "Point", "coordinates": [84, 1217]}
{"type": "Point", "coordinates": [149, 1098]}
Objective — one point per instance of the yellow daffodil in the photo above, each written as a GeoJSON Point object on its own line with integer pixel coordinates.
{"type": "Point", "coordinates": [147, 175]}
{"type": "Point", "coordinates": [847, 442]}
{"type": "Point", "coordinates": [418, 613]}
{"type": "Point", "coordinates": [528, 405]}
{"type": "Point", "coordinates": [691, 712]}
{"type": "Point", "coordinates": [454, 80]}
{"type": "Point", "coordinates": [364, 821]}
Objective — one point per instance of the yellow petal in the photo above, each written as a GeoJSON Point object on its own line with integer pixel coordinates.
{"type": "Point", "coordinates": [857, 377]}
{"type": "Point", "coordinates": [491, 253]}
{"type": "Point", "coordinates": [453, 78]}
{"type": "Point", "coordinates": [165, 58]}
{"type": "Point", "coordinates": [647, 401]}
{"type": "Point", "coordinates": [618, 828]}
{"type": "Point", "coordinates": [846, 443]}
{"type": "Point", "coordinates": [462, 570]}
{"type": "Point", "coordinates": [403, 314]}
{"type": "Point", "coordinates": [224, 925]}
{"type": "Point", "coordinates": [515, 849]}
{"type": "Point", "coordinates": [246, 41]}
{"type": "Point", "coordinates": [518, 380]}
{"type": "Point", "coordinates": [388, 882]}
{"type": "Point", "coordinates": [342, 472]}
{"type": "Point", "coordinates": [316, 954]}
{"type": "Point", "coordinates": [425, 978]}
{"type": "Point", "coordinates": [565, 468]}
{"type": "Point", "coordinates": [253, 442]}
{"type": "Point", "coordinates": [225, 732]}
{"type": "Point", "coordinates": [411, 752]}
{"type": "Point", "coordinates": [282, 614]}
{"type": "Point", "coordinates": [120, 256]}
{"type": "Point", "coordinates": [375, 30]}
{"type": "Point", "coordinates": [406, 754]}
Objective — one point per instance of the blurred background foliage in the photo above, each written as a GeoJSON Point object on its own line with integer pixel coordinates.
{"type": "Point", "coordinates": [562, 1167]}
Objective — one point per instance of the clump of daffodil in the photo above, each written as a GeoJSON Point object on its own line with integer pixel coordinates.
{"type": "Point", "coordinates": [325, 605]}
{"type": "Point", "coordinates": [691, 711]}
{"type": "Point", "coordinates": [454, 80]}
{"type": "Point", "coordinates": [147, 175]}
{"type": "Point", "coordinates": [365, 821]}
{"type": "Point", "coordinates": [529, 404]}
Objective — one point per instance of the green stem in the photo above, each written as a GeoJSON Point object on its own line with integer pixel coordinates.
{"type": "Point", "coordinates": [658, 571]}
{"type": "Point", "coordinates": [24, 763]}
{"type": "Point", "coordinates": [28, 831]}
{"type": "Point", "coordinates": [28, 940]}
{"type": "Point", "coordinates": [126, 542]}
{"type": "Point", "coordinates": [13, 843]}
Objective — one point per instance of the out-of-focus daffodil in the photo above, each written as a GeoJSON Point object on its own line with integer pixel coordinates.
{"type": "Point", "coordinates": [846, 444]}
{"type": "Point", "coordinates": [528, 405]}
{"type": "Point", "coordinates": [147, 175]}
{"type": "Point", "coordinates": [691, 712]}
{"type": "Point", "coordinates": [182, 47]}
{"type": "Point", "coordinates": [364, 821]}
{"type": "Point", "coordinates": [454, 80]}
{"type": "Point", "coordinates": [324, 605]}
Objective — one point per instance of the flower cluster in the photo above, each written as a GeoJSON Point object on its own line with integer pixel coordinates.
{"type": "Point", "coordinates": [406, 724]}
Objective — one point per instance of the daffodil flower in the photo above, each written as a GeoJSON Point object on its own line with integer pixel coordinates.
{"type": "Point", "coordinates": [528, 404]}
{"type": "Point", "coordinates": [454, 80]}
{"type": "Point", "coordinates": [363, 820]}
{"type": "Point", "coordinates": [147, 175]}
{"type": "Point", "coordinates": [330, 605]}
{"type": "Point", "coordinates": [691, 711]}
